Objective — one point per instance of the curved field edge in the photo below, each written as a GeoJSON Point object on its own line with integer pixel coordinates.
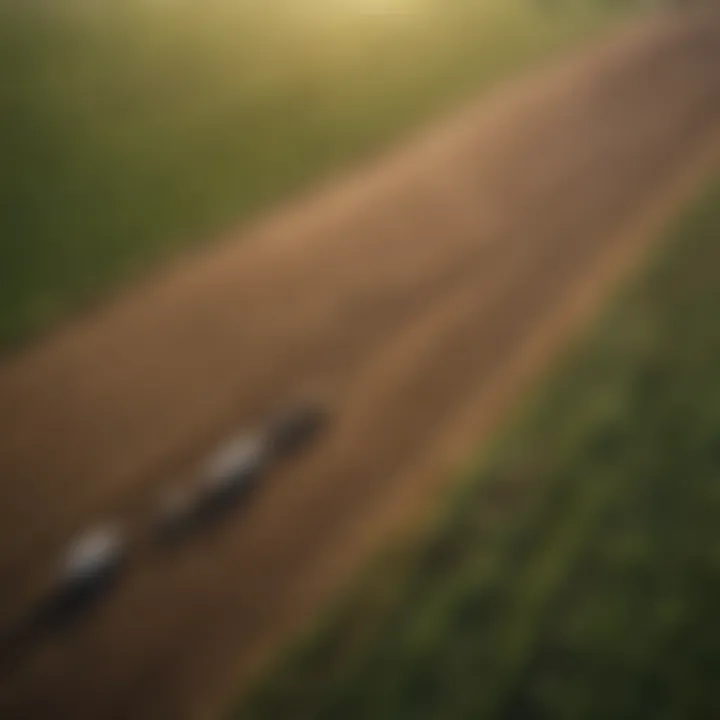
{"type": "Point", "coordinates": [132, 130]}
{"type": "Point", "coordinates": [574, 573]}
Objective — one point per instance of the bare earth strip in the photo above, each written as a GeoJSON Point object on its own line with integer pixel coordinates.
{"type": "Point", "coordinates": [423, 294]}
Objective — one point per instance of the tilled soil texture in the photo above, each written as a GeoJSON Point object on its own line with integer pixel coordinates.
{"type": "Point", "coordinates": [418, 294]}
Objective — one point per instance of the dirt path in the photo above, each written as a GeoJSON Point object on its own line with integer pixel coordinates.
{"type": "Point", "coordinates": [420, 293]}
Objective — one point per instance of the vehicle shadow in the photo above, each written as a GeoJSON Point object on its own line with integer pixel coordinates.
{"type": "Point", "coordinates": [62, 609]}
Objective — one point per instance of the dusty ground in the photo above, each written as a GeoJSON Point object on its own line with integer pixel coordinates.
{"type": "Point", "coordinates": [420, 294]}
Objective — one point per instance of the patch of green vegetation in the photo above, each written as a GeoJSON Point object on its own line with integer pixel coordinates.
{"type": "Point", "coordinates": [132, 128]}
{"type": "Point", "coordinates": [577, 573]}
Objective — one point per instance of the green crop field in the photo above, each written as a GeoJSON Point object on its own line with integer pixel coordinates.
{"type": "Point", "coordinates": [576, 574]}
{"type": "Point", "coordinates": [132, 128]}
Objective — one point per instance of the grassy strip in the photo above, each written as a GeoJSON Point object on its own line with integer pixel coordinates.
{"type": "Point", "coordinates": [576, 575]}
{"type": "Point", "coordinates": [130, 129]}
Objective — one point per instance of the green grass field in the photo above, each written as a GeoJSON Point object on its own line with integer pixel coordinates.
{"type": "Point", "coordinates": [130, 129]}
{"type": "Point", "coordinates": [577, 573]}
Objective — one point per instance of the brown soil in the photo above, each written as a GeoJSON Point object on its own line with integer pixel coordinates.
{"type": "Point", "coordinates": [422, 295]}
